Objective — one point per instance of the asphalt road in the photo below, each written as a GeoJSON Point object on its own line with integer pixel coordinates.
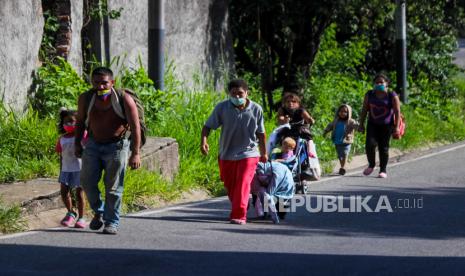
{"type": "Point", "coordinates": [428, 238]}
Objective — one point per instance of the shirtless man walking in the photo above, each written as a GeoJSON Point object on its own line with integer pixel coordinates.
{"type": "Point", "coordinates": [107, 149]}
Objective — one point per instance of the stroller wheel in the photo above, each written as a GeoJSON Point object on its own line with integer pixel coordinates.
{"type": "Point", "coordinates": [305, 188]}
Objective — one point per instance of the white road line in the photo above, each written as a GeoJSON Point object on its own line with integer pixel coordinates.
{"type": "Point", "coordinates": [179, 207]}
{"type": "Point", "coordinates": [395, 164]}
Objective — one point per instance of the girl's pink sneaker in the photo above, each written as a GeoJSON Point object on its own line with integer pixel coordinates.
{"type": "Point", "coordinates": [382, 175]}
{"type": "Point", "coordinates": [68, 219]}
{"type": "Point", "coordinates": [80, 223]}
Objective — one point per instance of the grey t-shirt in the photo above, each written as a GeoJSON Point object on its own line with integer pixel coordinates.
{"type": "Point", "coordinates": [238, 139]}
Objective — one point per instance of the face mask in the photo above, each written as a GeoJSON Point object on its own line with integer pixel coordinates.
{"type": "Point", "coordinates": [103, 94]}
{"type": "Point", "coordinates": [69, 129]}
{"type": "Point", "coordinates": [237, 101]}
{"type": "Point", "coordinates": [380, 87]}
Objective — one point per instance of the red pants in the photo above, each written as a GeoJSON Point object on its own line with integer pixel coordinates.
{"type": "Point", "coordinates": [237, 177]}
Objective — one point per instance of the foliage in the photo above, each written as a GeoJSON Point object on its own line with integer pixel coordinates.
{"type": "Point", "coordinates": [26, 146]}
{"type": "Point", "coordinates": [342, 58]}
{"type": "Point", "coordinates": [431, 39]}
{"type": "Point", "coordinates": [190, 110]}
{"type": "Point", "coordinates": [47, 47]}
{"type": "Point", "coordinates": [99, 9]}
{"type": "Point", "coordinates": [141, 186]}
{"type": "Point", "coordinates": [10, 219]}
{"type": "Point", "coordinates": [57, 85]}
{"type": "Point", "coordinates": [281, 51]}
{"type": "Point", "coordinates": [283, 48]}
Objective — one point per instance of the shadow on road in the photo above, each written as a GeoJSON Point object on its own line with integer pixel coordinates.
{"type": "Point", "coordinates": [25, 259]}
{"type": "Point", "coordinates": [440, 216]}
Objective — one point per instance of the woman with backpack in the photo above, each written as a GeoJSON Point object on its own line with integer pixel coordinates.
{"type": "Point", "coordinates": [383, 109]}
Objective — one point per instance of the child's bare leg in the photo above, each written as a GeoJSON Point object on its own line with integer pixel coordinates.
{"type": "Point", "coordinates": [80, 202]}
{"type": "Point", "coordinates": [66, 197]}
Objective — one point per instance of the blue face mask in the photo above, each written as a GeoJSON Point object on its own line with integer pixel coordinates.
{"type": "Point", "coordinates": [380, 87]}
{"type": "Point", "coordinates": [237, 101]}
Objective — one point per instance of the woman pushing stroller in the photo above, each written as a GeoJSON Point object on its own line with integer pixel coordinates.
{"type": "Point", "coordinates": [298, 121]}
{"type": "Point", "coordinates": [291, 112]}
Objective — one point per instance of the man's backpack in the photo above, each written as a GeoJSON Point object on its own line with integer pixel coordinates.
{"type": "Point", "coordinates": [118, 106]}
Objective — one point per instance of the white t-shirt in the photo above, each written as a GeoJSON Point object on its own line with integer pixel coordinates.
{"type": "Point", "coordinates": [69, 161]}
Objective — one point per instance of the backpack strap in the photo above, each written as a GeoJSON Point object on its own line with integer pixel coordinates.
{"type": "Point", "coordinates": [118, 103]}
{"type": "Point", "coordinates": [89, 103]}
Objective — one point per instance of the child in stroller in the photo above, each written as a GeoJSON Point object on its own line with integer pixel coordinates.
{"type": "Point", "coordinates": [272, 189]}
{"type": "Point", "coordinates": [287, 151]}
{"type": "Point", "coordinates": [299, 162]}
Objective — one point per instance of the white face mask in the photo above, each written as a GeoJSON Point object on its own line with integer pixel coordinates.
{"type": "Point", "coordinates": [237, 101]}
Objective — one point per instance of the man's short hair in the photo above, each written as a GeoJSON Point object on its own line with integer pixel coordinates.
{"type": "Point", "coordinates": [102, 71]}
{"type": "Point", "coordinates": [238, 83]}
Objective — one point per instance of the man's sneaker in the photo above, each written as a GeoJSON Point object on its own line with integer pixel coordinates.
{"type": "Point", "coordinates": [68, 220]}
{"type": "Point", "coordinates": [368, 171]}
{"type": "Point", "coordinates": [96, 223]}
{"type": "Point", "coordinates": [110, 230]}
{"type": "Point", "coordinates": [80, 223]}
{"type": "Point", "coordinates": [342, 171]}
{"type": "Point", "coordinates": [382, 175]}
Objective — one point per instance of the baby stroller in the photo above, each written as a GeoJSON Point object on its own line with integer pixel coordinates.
{"type": "Point", "coordinates": [303, 165]}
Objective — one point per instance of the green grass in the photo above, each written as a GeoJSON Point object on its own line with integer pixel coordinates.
{"type": "Point", "coordinates": [26, 146]}
{"type": "Point", "coordinates": [10, 219]}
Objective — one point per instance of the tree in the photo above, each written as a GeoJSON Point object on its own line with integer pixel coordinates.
{"type": "Point", "coordinates": [432, 29]}
{"type": "Point", "coordinates": [279, 39]}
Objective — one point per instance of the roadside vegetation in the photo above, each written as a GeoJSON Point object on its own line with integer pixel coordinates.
{"type": "Point", "coordinates": [10, 219]}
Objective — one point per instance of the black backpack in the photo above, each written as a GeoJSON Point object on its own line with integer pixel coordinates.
{"type": "Point", "coordinates": [118, 107]}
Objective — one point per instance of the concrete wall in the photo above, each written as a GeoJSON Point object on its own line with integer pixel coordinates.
{"type": "Point", "coordinates": [21, 28]}
{"type": "Point", "coordinates": [129, 33]}
{"type": "Point", "coordinates": [161, 155]}
{"type": "Point", "coordinates": [187, 35]}
{"type": "Point", "coordinates": [197, 38]}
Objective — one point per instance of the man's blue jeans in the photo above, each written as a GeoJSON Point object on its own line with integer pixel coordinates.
{"type": "Point", "coordinates": [112, 159]}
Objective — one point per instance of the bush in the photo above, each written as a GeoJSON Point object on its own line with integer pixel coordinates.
{"type": "Point", "coordinates": [10, 219]}
{"type": "Point", "coordinates": [26, 146]}
{"type": "Point", "coordinates": [57, 85]}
